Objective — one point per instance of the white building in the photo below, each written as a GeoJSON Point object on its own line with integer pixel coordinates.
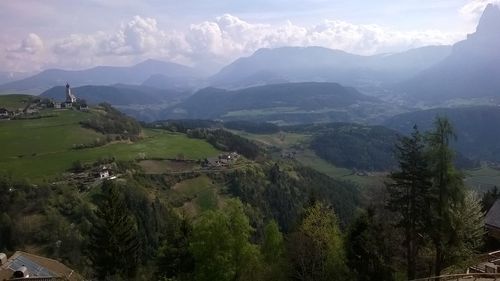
{"type": "Point", "coordinates": [70, 98]}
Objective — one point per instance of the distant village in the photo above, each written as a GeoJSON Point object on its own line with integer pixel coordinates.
{"type": "Point", "coordinates": [34, 106]}
{"type": "Point", "coordinates": [223, 160]}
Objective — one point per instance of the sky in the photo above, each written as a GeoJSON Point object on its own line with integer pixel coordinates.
{"type": "Point", "coordinates": [77, 34]}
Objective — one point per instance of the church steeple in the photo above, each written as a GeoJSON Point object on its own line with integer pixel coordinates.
{"type": "Point", "coordinates": [70, 98]}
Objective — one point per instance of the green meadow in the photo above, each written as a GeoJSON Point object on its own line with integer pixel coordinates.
{"type": "Point", "coordinates": [40, 149]}
{"type": "Point", "coordinates": [13, 102]}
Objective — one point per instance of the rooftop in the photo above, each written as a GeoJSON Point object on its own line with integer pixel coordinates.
{"type": "Point", "coordinates": [38, 268]}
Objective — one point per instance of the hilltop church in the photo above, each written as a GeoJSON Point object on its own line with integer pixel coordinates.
{"type": "Point", "coordinates": [69, 96]}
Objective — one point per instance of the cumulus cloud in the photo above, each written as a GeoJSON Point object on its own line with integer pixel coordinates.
{"type": "Point", "coordinates": [231, 36]}
{"type": "Point", "coordinates": [474, 9]}
{"type": "Point", "coordinates": [32, 44]}
{"type": "Point", "coordinates": [220, 40]}
{"type": "Point", "coordinates": [27, 55]}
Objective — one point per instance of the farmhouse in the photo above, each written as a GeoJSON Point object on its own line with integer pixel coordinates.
{"type": "Point", "coordinates": [224, 159]}
{"type": "Point", "coordinates": [25, 266]}
{"type": "Point", "coordinates": [4, 113]}
{"type": "Point", "coordinates": [103, 173]}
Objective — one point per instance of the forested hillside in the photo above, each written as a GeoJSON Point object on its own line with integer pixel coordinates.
{"type": "Point", "coordinates": [476, 128]}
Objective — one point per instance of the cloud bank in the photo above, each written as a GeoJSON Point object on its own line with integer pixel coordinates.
{"type": "Point", "coordinates": [214, 42]}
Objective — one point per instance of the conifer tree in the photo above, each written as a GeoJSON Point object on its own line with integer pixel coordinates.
{"type": "Point", "coordinates": [409, 192]}
{"type": "Point", "coordinates": [114, 247]}
{"type": "Point", "coordinates": [367, 251]}
{"type": "Point", "coordinates": [447, 189]}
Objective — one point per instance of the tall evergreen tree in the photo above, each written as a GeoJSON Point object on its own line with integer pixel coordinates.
{"type": "Point", "coordinates": [114, 246]}
{"type": "Point", "coordinates": [409, 191]}
{"type": "Point", "coordinates": [447, 189]}
{"type": "Point", "coordinates": [174, 259]}
{"type": "Point", "coordinates": [367, 251]}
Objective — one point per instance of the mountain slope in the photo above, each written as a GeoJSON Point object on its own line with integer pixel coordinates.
{"type": "Point", "coordinates": [290, 98]}
{"type": "Point", "coordinates": [101, 75]}
{"type": "Point", "coordinates": [300, 64]}
{"type": "Point", "coordinates": [476, 128]}
{"type": "Point", "coordinates": [471, 71]}
{"type": "Point", "coordinates": [116, 94]}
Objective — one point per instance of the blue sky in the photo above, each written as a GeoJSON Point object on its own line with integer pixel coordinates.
{"type": "Point", "coordinates": [209, 33]}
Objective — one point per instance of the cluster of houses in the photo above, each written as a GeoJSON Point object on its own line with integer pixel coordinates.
{"type": "Point", "coordinates": [28, 110]}
{"type": "Point", "coordinates": [223, 160]}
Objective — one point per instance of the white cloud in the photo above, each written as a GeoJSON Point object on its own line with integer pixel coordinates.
{"type": "Point", "coordinates": [221, 40]}
{"type": "Point", "coordinates": [474, 9]}
{"type": "Point", "coordinates": [27, 55]}
{"type": "Point", "coordinates": [32, 44]}
{"type": "Point", "coordinates": [229, 36]}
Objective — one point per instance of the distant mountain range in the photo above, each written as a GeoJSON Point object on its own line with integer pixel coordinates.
{"type": "Point", "coordinates": [117, 94]}
{"type": "Point", "coordinates": [305, 64]}
{"type": "Point", "coordinates": [433, 75]}
{"type": "Point", "coordinates": [102, 75]}
{"type": "Point", "coordinates": [472, 70]}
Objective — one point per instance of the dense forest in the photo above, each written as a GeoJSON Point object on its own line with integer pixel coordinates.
{"type": "Point", "coordinates": [279, 221]}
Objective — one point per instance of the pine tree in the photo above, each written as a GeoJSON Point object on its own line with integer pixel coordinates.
{"type": "Point", "coordinates": [367, 251]}
{"type": "Point", "coordinates": [174, 259]}
{"type": "Point", "coordinates": [114, 247]}
{"type": "Point", "coordinates": [448, 191]}
{"type": "Point", "coordinates": [409, 192]}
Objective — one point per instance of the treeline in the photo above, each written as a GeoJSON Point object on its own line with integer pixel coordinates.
{"type": "Point", "coordinates": [226, 141]}
{"type": "Point", "coordinates": [113, 122]}
{"type": "Point", "coordinates": [183, 125]}
{"type": "Point", "coordinates": [252, 127]}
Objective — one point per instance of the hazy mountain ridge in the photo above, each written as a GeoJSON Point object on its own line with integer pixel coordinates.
{"type": "Point", "coordinates": [116, 94]}
{"type": "Point", "coordinates": [310, 96]}
{"type": "Point", "coordinates": [301, 64]}
{"type": "Point", "coordinates": [471, 70]}
{"type": "Point", "coordinates": [101, 75]}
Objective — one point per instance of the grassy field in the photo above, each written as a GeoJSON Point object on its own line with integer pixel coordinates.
{"type": "Point", "coordinates": [310, 159]}
{"type": "Point", "coordinates": [13, 102]}
{"type": "Point", "coordinates": [282, 139]}
{"type": "Point", "coordinates": [42, 148]}
{"type": "Point", "coordinates": [482, 179]}
{"type": "Point", "coordinates": [201, 193]}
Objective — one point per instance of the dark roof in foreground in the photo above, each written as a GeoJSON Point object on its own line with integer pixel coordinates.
{"type": "Point", "coordinates": [39, 268]}
{"type": "Point", "coordinates": [493, 215]}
